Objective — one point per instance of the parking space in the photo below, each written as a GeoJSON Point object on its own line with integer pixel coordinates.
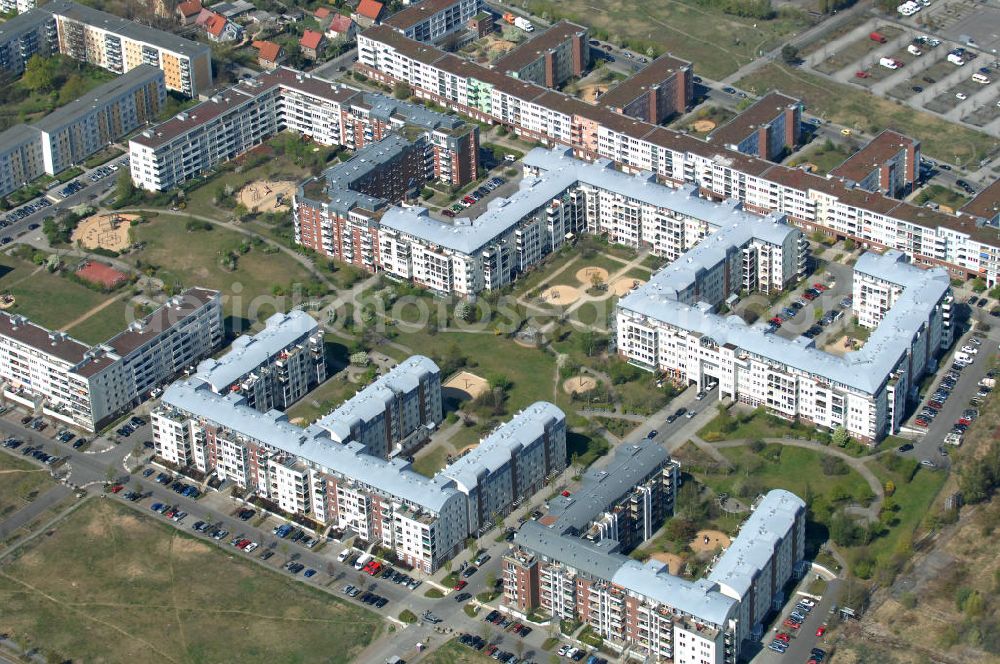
{"type": "Point", "coordinates": [475, 202]}
{"type": "Point", "coordinates": [857, 50]}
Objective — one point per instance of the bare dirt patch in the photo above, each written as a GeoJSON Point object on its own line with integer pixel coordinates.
{"type": "Point", "coordinates": [105, 231]}
{"type": "Point", "coordinates": [561, 295]}
{"type": "Point", "coordinates": [622, 285]}
{"type": "Point", "coordinates": [579, 384]}
{"type": "Point", "coordinates": [703, 126]}
{"type": "Point", "coordinates": [586, 275]}
{"type": "Point", "coordinates": [592, 92]}
{"type": "Point", "coordinates": [674, 562]}
{"type": "Point", "coordinates": [842, 344]}
{"type": "Point", "coordinates": [468, 382]}
{"type": "Point", "coordinates": [707, 541]}
{"type": "Point", "coordinates": [267, 195]}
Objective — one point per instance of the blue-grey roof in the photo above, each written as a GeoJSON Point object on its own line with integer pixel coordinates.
{"type": "Point", "coordinates": [22, 23]}
{"type": "Point", "coordinates": [250, 351]}
{"type": "Point", "coordinates": [562, 171]}
{"type": "Point", "coordinates": [371, 402]}
{"type": "Point", "coordinates": [17, 136]}
{"type": "Point", "coordinates": [598, 560]}
{"type": "Point", "coordinates": [865, 370]}
{"type": "Point", "coordinates": [385, 108]}
{"type": "Point", "coordinates": [499, 447]}
{"type": "Point", "coordinates": [600, 488]}
{"type": "Point", "coordinates": [311, 444]}
{"type": "Point", "coordinates": [772, 521]}
{"type": "Point", "coordinates": [700, 599]}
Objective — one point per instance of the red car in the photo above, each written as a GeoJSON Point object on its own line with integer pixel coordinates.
{"type": "Point", "coordinates": [820, 287]}
{"type": "Point", "coordinates": [448, 213]}
{"type": "Point", "coordinates": [461, 584]}
{"type": "Point", "coordinates": [783, 636]}
{"type": "Point", "coordinates": [809, 296]}
{"type": "Point", "coordinates": [565, 494]}
{"type": "Point", "coordinates": [116, 488]}
{"type": "Point", "coordinates": [861, 74]}
{"type": "Point", "coordinates": [820, 631]}
{"type": "Point", "coordinates": [790, 624]}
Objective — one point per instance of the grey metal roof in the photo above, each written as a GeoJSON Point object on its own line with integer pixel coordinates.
{"type": "Point", "coordinates": [865, 370]}
{"type": "Point", "coordinates": [384, 108]}
{"type": "Point", "coordinates": [700, 599]}
{"type": "Point", "coordinates": [22, 23]}
{"type": "Point", "coordinates": [597, 560]}
{"type": "Point", "coordinates": [130, 29]}
{"type": "Point", "coordinates": [371, 402]}
{"type": "Point", "coordinates": [99, 97]}
{"type": "Point", "coordinates": [250, 351]}
{"type": "Point", "coordinates": [311, 444]}
{"type": "Point", "coordinates": [499, 447]}
{"type": "Point", "coordinates": [17, 136]}
{"type": "Point", "coordinates": [772, 520]}
{"type": "Point", "coordinates": [562, 171]}
{"type": "Point", "coordinates": [600, 488]}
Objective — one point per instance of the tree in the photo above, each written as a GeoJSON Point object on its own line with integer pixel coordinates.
{"type": "Point", "coordinates": [124, 189]}
{"type": "Point", "coordinates": [978, 285]}
{"type": "Point", "coordinates": [39, 74]}
{"type": "Point", "coordinates": [241, 211]}
{"type": "Point", "coordinates": [501, 382]}
{"type": "Point", "coordinates": [74, 88]}
{"type": "Point", "coordinates": [401, 90]}
{"type": "Point", "coordinates": [890, 488]}
{"type": "Point", "coordinates": [789, 54]}
{"type": "Point", "coordinates": [840, 437]}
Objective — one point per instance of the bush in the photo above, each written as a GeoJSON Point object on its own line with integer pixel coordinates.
{"type": "Point", "coordinates": [194, 225]}
{"type": "Point", "coordinates": [407, 616]}
{"type": "Point", "coordinates": [434, 593]}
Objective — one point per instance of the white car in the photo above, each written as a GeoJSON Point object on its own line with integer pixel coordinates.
{"type": "Point", "coordinates": [563, 650]}
{"type": "Point", "coordinates": [808, 602]}
{"type": "Point", "coordinates": [250, 547]}
{"type": "Point", "coordinates": [971, 350]}
{"type": "Point", "coordinates": [961, 96]}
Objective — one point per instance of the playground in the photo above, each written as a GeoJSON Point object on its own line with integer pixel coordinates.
{"type": "Point", "coordinates": [707, 541]}
{"type": "Point", "coordinates": [467, 382]}
{"type": "Point", "coordinates": [105, 231]}
{"type": "Point", "coordinates": [673, 561]}
{"type": "Point", "coordinates": [267, 195]}
{"type": "Point", "coordinates": [622, 285]}
{"type": "Point", "coordinates": [579, 384]}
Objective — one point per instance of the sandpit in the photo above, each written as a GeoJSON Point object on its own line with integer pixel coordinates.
{"type": "Point", "coordinates": [586, 275]}
{"type": "Point", "coordinates": [623, 285]}
{"type": "Point", "coordinates": [469, 383]}
{"type": "Point", "coordinates": [104, 231]}
{"type": "Point", "coordinates": [561, 295]}
{"type": "Point", "coordinates": [673, 561]}
{"type": "Point", "coordinates": [467, 448]}
{"type": "Point", "coordinates": [709, 540]}
{"type": "Point", "coordinates": [579, 384]}
{"type": "Point", "coordinates": [591, 92]}
{"type": "Point", "coordinates": [7, 301]}
{"type": "Point", "coordinates": [703, 126]}
{"type": "Point", "coordinates": [267, 195]}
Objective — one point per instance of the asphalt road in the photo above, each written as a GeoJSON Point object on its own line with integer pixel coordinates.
{"type": "Point", "coordinates": [804, 639]}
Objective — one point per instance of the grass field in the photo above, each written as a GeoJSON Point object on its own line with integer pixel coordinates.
{"type": "Point", "coordinates": [914, 499]}
{"type": "Point", "coordinates": [323, 399]}
{"type": "Point", "coordinates": [20, 482]}
{"type": "Point", "coordinates": [825, 157]}
{"type": "Point", "coordinates": [454, 652]}
{"type": "Point", "coordinates": [431, 462]}
{"type": "Point", "coordinates": [106, 323]}
{"type": "Point", "coordinates": [200, 263]}
{"type": "Point", "coordinates": [940, 195]}
{"type": "Point", "coordinates": [857, 108]}
{"type": "Point", "coordinates": [47, 299]}
{"type": "Point", "coordinates": [717, 43]}
{"type": "Point", "coordinates": [129, 589]}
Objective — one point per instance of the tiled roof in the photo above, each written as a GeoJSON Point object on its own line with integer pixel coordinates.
{"type": "Point", "coordinates": [370, 9]}
{"type": "Point", "coordinates": [311, 39]}
{"type": "Point", "coordinates": [268, 50]}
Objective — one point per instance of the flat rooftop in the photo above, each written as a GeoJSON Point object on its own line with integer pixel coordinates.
{"type": "Point", "coordinates": [417, 13]}
{"type": "Point", "coordinates": [763, 112]}
{"type": "Point", "coordinates": [873, 156]}
{"type": "Point", "coordinates": [652, 75]}
{"type": "Point", "coordinates": [535, 47]}
{"type": "Point", "coordinates": [99, 97]}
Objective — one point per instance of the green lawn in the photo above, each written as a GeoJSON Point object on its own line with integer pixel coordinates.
{"type": "Point", "coordinates": [111, 585]}
{"type": "Point", "coordinates": [914, 499]}
{"type": "Point", "coordinates": [323, 399]}
{"type": "Point", "coordinates": [941, 195]}
{"type": "Point", "coordinates": [47, 299]}
{"type": "Point", "coordinates": [847, 105]}
{"type": "Point", "coordinates": [454, 652]}
{"type": "Point", "coordinates": [825, 157]}
{"type": "Point", "coordinates": [20, 482]}
{"type": "Point", "coordinates": [717, 43]}
{"type": "Point", "coordinates": [752, 426]}
{"type": "Point", "coordinates": [430, 462]}
{"type": "Point", "coordinates": [247, 290]}
{"type": "Point", "coordinates": [106, 323]}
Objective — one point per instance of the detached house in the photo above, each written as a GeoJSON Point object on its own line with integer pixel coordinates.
{"type": "Point", "coordinates": [269, 54]}
{"type": "Point", "coordinates": [341, 27]}
{"type": "Point", "coordinates": [218, 27]}
{"type": "Point", "coordinates": [368, 13]}
{"type": "Point", "coordinates": [188, 12]}
{"type": "Point", "coordinates": [311, 43]}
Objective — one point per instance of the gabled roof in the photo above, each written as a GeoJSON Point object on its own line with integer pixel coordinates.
{"type": "Point", "coordinates": [340, 24]}
{"type": "Point", "coordinates": [322, 13]}
{"type": "Point", "coordinates": [311, 39]}
{"type": "Point", "coordinates": [370, 9]}
{"type": "Point", "coordinates": [268, 50]}
{"type": "Point", "coordinates": [189, 8]}
{"type": "Point", "coordinates": [215, 24]}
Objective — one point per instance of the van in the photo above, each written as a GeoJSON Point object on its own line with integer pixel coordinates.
{"type": "Point", "coordinates": [964, 358]}
{"type": "Point", "coordinates": [981, 78]}
{"type": "Point", "coordinates": [913, 50]}
{"type": "Point", "coordinates": [362, 561]}
{"type": "Point", "coordinates": [343, 555]}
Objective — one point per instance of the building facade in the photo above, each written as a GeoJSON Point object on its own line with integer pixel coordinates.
{"type": "Point", "coordinates": [549, 58]}
{"type": "Point", "coordinates": [770, 128]}
{"type": "Point", "coordinates": [889, 164]}
{"type": "Point", "coordinates": [659, 91]}
{"type": "Point", "coordinates": [88, 386]}
{"type": "Point", "coordinates": [431, 20]}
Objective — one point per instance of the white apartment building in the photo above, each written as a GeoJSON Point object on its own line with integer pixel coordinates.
{"type": "Point", "coordinates": [387, 417]}
{"type": "Point", "coordinates": [119, 45]}
{"type": "Point", "coordinates": [431, 20]}
{"type": "Point", "coordinates": [88, 386]}
{"type": "Point", "coordinates": [341, 482]}
{"type": "Point", "coordinates": [669, 324]}
{"type": "Point", "coordinates": [510, 464]}
{"type": "Point", "coordinates": [961, 243]}
{"type": "Point", "coordinates": [273, 368]}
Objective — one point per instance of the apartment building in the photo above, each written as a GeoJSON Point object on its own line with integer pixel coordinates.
{"type": "Point", "coordinates": [767, 130]}
{"type": "Point", "coordinates": [89, 386]}
{"type": "Point", "coordinates": [273, 368]}
{"type": "Point", "coordinates": [104, 115]}
{"type": "Point", "coordinates": [510, 464]}
{"type": "Point", "coordinates": [334, 473]}
{"type": "Point", "coordinates": [16, 6]}
{"type": "Point", "coordinates": [889, 164]}
{"type": "Point", "coordinates": [245, 115]}
{"type": "Point", "coordinates": [670, 324]}
{"type": "Point", "coordinates": [431, 20]}
{"type": "Point", "coordinates": [119, 45]}
{"type": "Point", "coordinates": [550, 58]}
{"type": "Point", "coordinates": [392, 414]}
{"type": "Point", "coordinates": [657, 92]}
{"type": "Point", "coordinates": [31, 33]}
{"type": "Point", "coordinates": [20, 157]}
{"type": "Point", "coordinates": [985, 206]}
{"type": "Point", "coordinates": [962, 244]}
